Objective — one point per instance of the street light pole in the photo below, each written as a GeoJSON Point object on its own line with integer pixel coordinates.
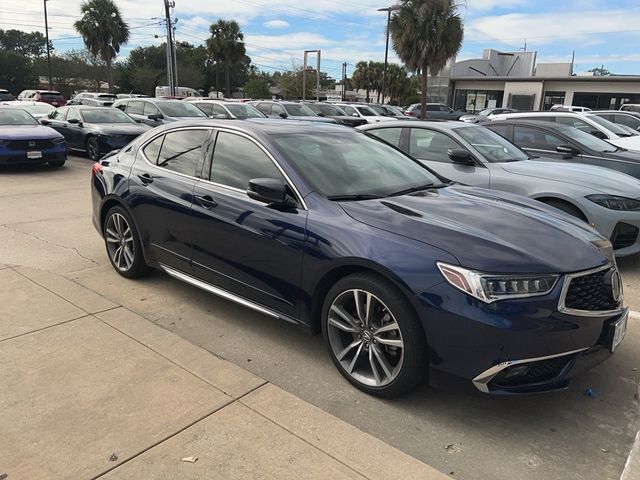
{"type": "Point", "coordinates": [386, 49]}
{"type": "Point", "coordinates": [46, 34]}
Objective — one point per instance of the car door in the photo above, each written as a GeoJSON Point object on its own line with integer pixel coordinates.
{"type": "Point", "coordinates": [161, 186]}
{"type": "Point", "coordinates": [432, 148]}
{"type": "Point", "coordinates": [542, 143]}
{"type": "Point", "coordinates": [242, 245]}
{"type": "Point", "coordinates": [135, 109]}
{"type": "Point", "coordinates": [152, 115]}
{"type": "Point", "coordinates": [56, 120]}
{"type": "Point", "coordinates": [75, 129]}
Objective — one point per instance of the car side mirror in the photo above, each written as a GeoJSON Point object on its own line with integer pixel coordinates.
{"type": "Point", "coordinates": [272, 191]}
{"type": "Point", "coordinates": [282, 115]}
{"type": "Point", "coordinates": [44, 121]}
{"type": "Point", "coordinates": [153, 117]}
{"type": "Point", "coordinates": [567, 149]}
{"type": "Point", "coordinates": [74, 121]}
{"type": "Point", "coordinates": [221, 116]}
{"type": "Point", "coordinates": [461, 157]}
{"type": "Point", "coordinates": [354, 114]}
{"type": "Point", "coordinates": [599, 134]}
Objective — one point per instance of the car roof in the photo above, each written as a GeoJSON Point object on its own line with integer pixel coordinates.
{"type": "Point", "coordinates": [435, 123]}
{"type": "Point", "coordinates": [524, 121]}
{"type": "Point", "coordinates": [261, 126]}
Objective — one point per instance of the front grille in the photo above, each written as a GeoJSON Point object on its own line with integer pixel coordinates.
{"type": "Point", "coordinates": [624, 235]}
{"type": "Point", "coordinates": [591, 292]}
{"type": "Point", "coordinates": [531, 373]}
{"type": "Point", "coordinates": [29, 144]}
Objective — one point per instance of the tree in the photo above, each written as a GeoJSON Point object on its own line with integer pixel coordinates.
{"type": "Point", "coordinates": [600, 71]}
{"type": "Point", "coordinates": [103, 31]}
{"type": "Point", "coordinates": [226, 46]}
{"type": "Point", "coordinates": [290, 83]}
{"type": "Point", "coordinates": [425, 35]}
{"type": "Point", "coordinates": [29, 44]}
{"type": "Point", "coordinates": [257, 88]}
{"type": "Point", "coordinates": [361, 77]}
{"type": "Point", "coordinates": [17, 72]}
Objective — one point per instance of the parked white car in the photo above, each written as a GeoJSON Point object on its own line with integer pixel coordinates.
{"type": "Point", "coordinates": [569, 108]}
{"type": "Point", "coordinates": [364, 112]}
{"type": "Point", "coordinates": [619, 135]}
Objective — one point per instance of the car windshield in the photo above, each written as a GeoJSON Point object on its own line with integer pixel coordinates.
{"type": "Point", "coordinates": [16, 116]}
{"type": "Point", "coordinates": [379, 110]}
{"type": "Point", "coordinates": [179, 109]}
{"type": "Point", "coordinates": [328, 110]}
{"type": "Point", "coordinates": [493, 147]}
{"type": "Point", "coordinates": [352, 165]}
{"type": "Point", "coordinates": [244, 111]}
{"type": "Point", "coordinates": [105, 115]}
{"type": "Point", "coordinates": [588, 140]}
{"type": "Point", "coordinates": [620, 130]}
{"type": "Point", "coordinates": [298, 110]}
{"type": "Point", "coordinates": [367, 112]}
{"type": "Point", "coordinates": [51, 96]}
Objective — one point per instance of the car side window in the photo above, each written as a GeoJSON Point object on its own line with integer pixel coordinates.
{"type": "Point", "coordinates": [628, 120]}
{"type": "Point", "coordinates": [73, 114]}
{"type": "Point", "coordinates": [58, 114]}
{"type": "Point", "coordinates": [576, 123]}
{"type": "Point", "coordinates": [206, 108]}
{"type": "Point", "coordinates": [181, 151]}
{"type": "Point", "coordinates": [432, 108]}
{"type": "Point", "coordinates": [277, 110]}
{"type": "Point", "coordinates": [150, 109]}
{"type": "Point", "coordinates": [431, 145]}
{"type": "Point", "coordinates": [218, 110]}
{"type": "Point", "coordinates": [502, 130]}
{"type": "Point", "coordinates": [389, 135]}
{"type": "Point", "coordinates": [349, 110]}
{"type": "Point", "coordinates": [135, 108]}
{"type": "Point", "coordinates": [264, 108]}
{"type": "Point", "coordinates": [236, 160]}
{"type": "Point", "coordinates": [152, 149]}
{"type": "Point", "coordinates": [528, 137]}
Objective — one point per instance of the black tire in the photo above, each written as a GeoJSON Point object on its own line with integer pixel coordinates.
{"type": "Point", "coordinates": [566, 208]}
{"type": "Point", "coordinates": [92, 149]}
{"type": "Point", "coordinates": [130, 261]}
{"type": "Point", "coordinates": [412, 367]}
{"type": "Point", "coordinates": [57, 163]}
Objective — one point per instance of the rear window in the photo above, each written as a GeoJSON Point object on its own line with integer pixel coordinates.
{"type": "Point", "coordinates": [51, 96]}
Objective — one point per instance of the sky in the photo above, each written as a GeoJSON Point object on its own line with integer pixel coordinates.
{"type": "Point", "coordinates": [602, 32]}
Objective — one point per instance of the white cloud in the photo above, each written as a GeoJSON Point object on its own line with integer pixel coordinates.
{"type": "Point", "coordinates": [276, 24]}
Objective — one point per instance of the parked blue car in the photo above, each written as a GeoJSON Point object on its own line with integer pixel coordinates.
{"type": "Point", "coordinates": [335, 231]}
{"type": "Point", "coordinates": [24, 140]}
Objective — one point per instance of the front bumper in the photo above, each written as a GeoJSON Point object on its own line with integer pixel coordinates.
{"type": "Point", "coordinates": [519, 346]}
{"type": "Point", "coordinates": [622, 228]}
{"type": "Point", "coordinates": [20, 157]}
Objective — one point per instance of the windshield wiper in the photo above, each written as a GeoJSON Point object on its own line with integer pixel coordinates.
{"type": "Point", "coordinates": [353, 197]}
{"type": "Point", "coordinates": [410, 190]}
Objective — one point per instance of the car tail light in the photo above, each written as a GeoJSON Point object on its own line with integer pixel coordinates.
{"type": "Point", "coordinates": [96, 169]}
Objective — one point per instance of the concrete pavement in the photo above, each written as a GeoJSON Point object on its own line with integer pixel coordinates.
{"type": "Point", "coordinates": [93, 390]}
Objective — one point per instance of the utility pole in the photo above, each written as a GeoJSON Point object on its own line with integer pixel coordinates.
{"type": "Point", "coordinates": [344, 81]}
{"type": "Point", "coordinates": [175, 57]}
{"type": "Point", "coordinates": [170, 80]}
{"type": "Point", "coordinates": [304, 75]}
{"type": "Point", "coordinates": [386, 48]}
{"type": "Point", "coordinates": [46, 34]}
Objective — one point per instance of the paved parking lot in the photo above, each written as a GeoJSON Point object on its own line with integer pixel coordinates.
{"type": "Point", "coordinates": [45, 223]}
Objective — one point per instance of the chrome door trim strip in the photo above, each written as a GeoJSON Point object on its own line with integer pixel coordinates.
{"type": "Point", "coordinates": [481, 382]}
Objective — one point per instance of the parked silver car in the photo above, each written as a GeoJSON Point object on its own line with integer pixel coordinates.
{"type": "Point", "coordinates": [474, 155]}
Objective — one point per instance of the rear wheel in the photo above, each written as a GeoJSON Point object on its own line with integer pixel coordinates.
{"type": "Point", "coordinates": [93, 151]}
{"type": "Point", "coordinates": [374, 336]}
{"type": "Point", "coordinates": [123, 244]}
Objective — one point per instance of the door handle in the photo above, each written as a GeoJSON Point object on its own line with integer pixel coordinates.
{"type": "Point", "coordinates": [206, 201]}
{"type": "Point", "coordinates": [146, 179]}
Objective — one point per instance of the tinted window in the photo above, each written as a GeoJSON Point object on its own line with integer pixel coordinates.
{"type": "Point", "coordinates": [277, 110]}
{"type": "Point", "coordinates": [432, 108]}
{"type": "Point", "coordinates": [181, 151]}
{"type": "Point", "coordinates": [243, 111]}
{"type": "Point", "coordinates": [206, 108]}
{"type": "Point", "coordinates": [528, 137]}
{"type": "Point", "coordinates": [628, 120]}
{"type": "Point", "coordinates": [73, 114]}
{"type": "Point", "coordinates": [150, 109]}
{"type": "Point", "coordinates": [576, 123]}
{"type": "Point", "coordinates": [366, 111]}
{"type": "Point", "coordinates": [135, 108]}
{"type": "Point", "coordinates": [152, 149]}
{"type": "Point", "coordinates": [431, 145]}
{"type": "Point", "coordinates": [492, 146]}
{"type": "Point", "coordinates": [236, 160]}
{"type": "Point", "coordinates": [500, 130]}
{"type": "Point", "coordinates": [389, 135]}
{"type": "Point", "coordinates": [180, 109]}
{"type": "Point", "coordinates": [264, 108]}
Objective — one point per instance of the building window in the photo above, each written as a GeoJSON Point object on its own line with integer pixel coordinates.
{"type": "Point", "coordinates": [473, 101]}
{"type": "Point", "coordinates": [604, 101]}
{"type": "Point", "coordinates": [553, 98]}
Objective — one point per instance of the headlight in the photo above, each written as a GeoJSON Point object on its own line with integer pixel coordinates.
{"type": "Point", "coordinates": [615, 203]}
{"type": "Point", "coordinates": [490, 287]}
{"type": "Point", "coordinates": [58, 140]}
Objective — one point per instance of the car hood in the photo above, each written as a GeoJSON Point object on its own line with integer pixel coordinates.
{"type": "Point", "coordinates": [597, 179]}
{"type": "Point", "coordinates": [27, 132]}
{"type": "Point", "coordinates": [487, 230]}
{"type": "Point", "coordinates": [119, 128]}
{"type": "Point", "coordinates": [630, 143]}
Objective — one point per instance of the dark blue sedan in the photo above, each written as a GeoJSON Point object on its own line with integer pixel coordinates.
{"type": "Point", "coordinates": [335, 231]}
{"type": "Point", "coordinates": [24, 140]}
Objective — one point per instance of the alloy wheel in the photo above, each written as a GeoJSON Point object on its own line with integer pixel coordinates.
{"type": "Point", "coordinates": [92, 149]}
{"type": "Point", "coordinates": [365, 338]}
{"type": "Point", "coordinates": [120, 244]}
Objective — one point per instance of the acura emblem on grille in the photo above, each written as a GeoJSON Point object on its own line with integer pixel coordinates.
{"type": "Point", "coordinates": [616, 286]}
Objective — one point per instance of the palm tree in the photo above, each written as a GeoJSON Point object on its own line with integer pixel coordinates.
{"type": "Point", "coordinates": [425, 35]}
{"type": "Point", "coordinates": [103, 31]}
{"type": "Point", "coordinates": [361, 77]}
{"type": "Point", "coordinates": [226, 45]}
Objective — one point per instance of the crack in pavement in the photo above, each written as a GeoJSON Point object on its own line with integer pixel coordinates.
{"type": "Point", "coordinates": [44, 240]}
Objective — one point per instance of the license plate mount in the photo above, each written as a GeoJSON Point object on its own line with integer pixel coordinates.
{"type": "Point", "coordinates": [33, 154]}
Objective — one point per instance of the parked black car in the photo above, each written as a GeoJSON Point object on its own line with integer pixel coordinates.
{"type": "Point", "coordinates": [95, 130]}
{"type": "Point", "coordinates": [564, 143]}
{"type": "Point", "coordinates": [336, 113]}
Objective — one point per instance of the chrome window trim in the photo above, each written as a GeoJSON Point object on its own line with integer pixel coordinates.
{"type": "Point", "coordinates": [162, 169]}
{"type": "Point", "coordinates": [481, 381]}
{"type": "Point", "coordinates": [299, 198]}
{"type": "Point", "coordinates": [587, 313]}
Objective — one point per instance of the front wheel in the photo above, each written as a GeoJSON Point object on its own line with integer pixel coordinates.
{"type": "Point", "coordinates": [374, 336]}
{"type": "Point", "coordinates": [93, 150]}
{"type": "Point", "coordinates": [123, 244]}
